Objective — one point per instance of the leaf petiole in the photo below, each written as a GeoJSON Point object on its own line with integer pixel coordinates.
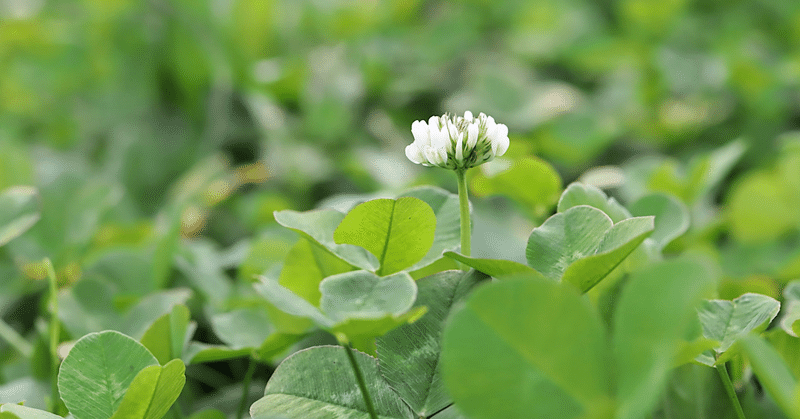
{"type": "Point", "coordinates": [729, 390]}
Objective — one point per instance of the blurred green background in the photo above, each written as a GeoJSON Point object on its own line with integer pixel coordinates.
{"type": "Point", "coordinates": [162, 134]}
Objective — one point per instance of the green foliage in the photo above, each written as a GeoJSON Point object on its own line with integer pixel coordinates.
{"type": "Point", "coordinates": [728, 321]}
{"type": "Point", "coordinates": [656, 313]}
{"type": "Point", "coordinates": [582, 245]}
{"type": "Point", "coordinates": [332, 392]}
{"type": "Point", "coordinates": [408, 357]}
{"type": "Point", "coordinates": [14, 411]}
{"type": "Point", "coordinates": [152, 392]}
{"type": "Point", "coordinates": [398, 232]}
{"type": "Point", "coordinates": [225, 183]}
{"type": "Point", "coordinates": [773, 373]}
{"type": "Point", "coordinates": [537, 369]}
{"type": "Point", "coordinates": [94, 377]}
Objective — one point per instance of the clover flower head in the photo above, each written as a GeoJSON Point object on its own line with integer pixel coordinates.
{"type": "Point", "coordinates": [457, 142]}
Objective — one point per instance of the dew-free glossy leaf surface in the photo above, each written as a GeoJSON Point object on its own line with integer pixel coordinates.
{"type": "Point", "coordinates": [166, 337]}
{"type": "Point", "coordinates": [773, 374]}
{"type": "Point", "coordinates": [408, 357]}
{"type": "Point", "coordinates": [564, 238]}
{"type": "Point", "coordinates": [287, 301]}
{"type": "Point", "coordinates": [24, 412]}
{"type": "Point", "coordinates": [727, 321]}
{"type": "Point", "coordinates": [98, 370]}
{"type": "Point", "coordinates": [319, 226]}
{"type": "Point", "coordinates": [318, 383]}
{"type": "Point", "coordinates": [582, 194]}
{"type": "Point", "coordinates": [517, 330]}
{"type": "Point", "coordinates": [656, 310]}
{"type": "Point", "coordinates": [448, 222]}
{"type": "Point", "coordinates": [493, 267]}
{"type": "Point", "coordinates": [399, 232]}
{"type": "Point", "coordinates": [305, 266]}
{"type": "Point", "coordinates": [152, 392]}
{"type": "Point", "coordinates": [19, 211]}
{"type": "Point", "coordinates": [364, 295]}
{"type": "Point", "coordinates": [617, 243]}
{"type": "Point", "coordinates": [671, 216]}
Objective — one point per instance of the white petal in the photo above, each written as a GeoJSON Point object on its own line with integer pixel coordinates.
{"type": "Point", "coordinates": [439, 137]}
{"type": "Point", "coordinates": [472, 135]}
{"type": "Point", "coordinates": [459, 148]}
{"type": "Point", "coordinates": [433, 122]}
{"type": "Point", "coordinates": [468, 116]}
{"type": "Point", "coordinates": [414, 153]}
{"type": "Point", "coordinates": [501, 139]}
{"type": "Point", "coordinates": [452, 131]}
{"type": "Point", "coordinates": [431, 156]}
{"type": "Point", "coordinates": [419, 129]}
{"type": "Point", "coordinates": [442, 157]}
{"type": "Point", "coordinates": [491, 134]}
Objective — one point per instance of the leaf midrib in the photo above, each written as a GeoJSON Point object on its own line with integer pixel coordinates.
{"type": "Point", "coordinates": [386, 240]}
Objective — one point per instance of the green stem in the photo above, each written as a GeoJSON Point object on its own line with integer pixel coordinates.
{"type": "Point", "coordinates": [361, 383]}
{"type": "Point", "coordinates": [15, 339]}
{"type": "Point", "coordinates": [463, 202]}
{"type": "Point", "coordinates": [55, 333]}
{"type": "Point", "coordinates": [248, 376]}
{"type": "Point", "coordinates": [726, 382]}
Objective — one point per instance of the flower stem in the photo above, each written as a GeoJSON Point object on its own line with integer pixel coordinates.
{"type": "Point", "coordinates": [55, 334]}
{"type": "Point", "coordinates": [463, 201]}
{"type": "Point", "coordinates": [248, 376]}
{"type": "Point", "coordinates": [361, 383]}
{"type": "Point", "coordinates": [726, 382]}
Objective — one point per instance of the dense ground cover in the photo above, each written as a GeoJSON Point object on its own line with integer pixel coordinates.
{"type": "Point", "coordinates": [182, 176]}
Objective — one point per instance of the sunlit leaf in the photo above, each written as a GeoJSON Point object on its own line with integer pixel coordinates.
{"type": "Point", "coordinates": [398, 232]}
{"type": "Point", "coordinates": [152, 392]}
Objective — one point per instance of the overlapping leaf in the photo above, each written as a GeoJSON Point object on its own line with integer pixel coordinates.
{"type": "Point", "coordinates": [319, 226]}
{"type": "Point", "coordinates": [398, 232]}
{"type": "Point", "coordinates": [408, 356]}
{"type": "Point", "coordinates": [671, 216]}
{"type": "Point", "coordinates": [493, 267]}
{"type": "Point", "coordinates": [14, 411]}
{"type": "Point", "coordinates": [656, 311]}
{"type": "Point", "coordinates": [515, 329]}
{"type": "Point", "coordinates": [359, 304]}
{"type": "Point", "coordinates": [98, 370]}
{"type": "Point", "coordinates": [728, 321]}
{"type": "Point", "coordinates": [333, 391]}
{"type": "Point", "coordinates": [582, 194]}
{"type": "Point", "coordinates": [582, 245]}
{"type": "Point", "coordinates": [152, 392]}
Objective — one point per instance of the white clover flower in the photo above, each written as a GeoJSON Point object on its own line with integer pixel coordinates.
{"type": "Point", "coordinates": [456, 142]}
